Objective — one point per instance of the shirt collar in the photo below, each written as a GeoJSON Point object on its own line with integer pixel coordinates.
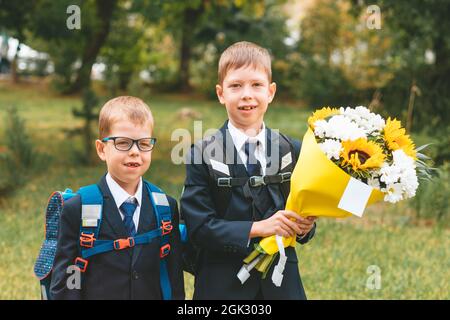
{"type": "Point", "coordinates": [121, 195]}
{"type": "Point", "coordinates": [239, 137]}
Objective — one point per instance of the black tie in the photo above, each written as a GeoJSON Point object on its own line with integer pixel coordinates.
{"type": "Point", "coordinates": [128, 208]}
{"type": "Point", "coordinates": [253, 165]}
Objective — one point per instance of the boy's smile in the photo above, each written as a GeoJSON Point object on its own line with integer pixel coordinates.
{"type": "Point", "coordinates": [246, 94]}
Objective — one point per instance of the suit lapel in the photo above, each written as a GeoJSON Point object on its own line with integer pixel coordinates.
{"type": "Point", "coordinates": [147, 221]}
{"type": "Point", "coordinates": [274, 156]}
{"type": "Point", "coordinates": [110, 213]}
{"type": "Point", "coordinates": [231, 154]}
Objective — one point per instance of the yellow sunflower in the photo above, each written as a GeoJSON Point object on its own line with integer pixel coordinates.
{"type": "Point", "coordinates": [362, 154]}
{"type": "Point", "coordinates": [395, 137]}
{"type": "Point", "coordinates": [321, 114]}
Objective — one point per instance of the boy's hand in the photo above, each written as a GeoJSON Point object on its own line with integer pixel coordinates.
{"type": "Point", "coordinates": [284, 223]}
{"type": "Point", "coordinates": [306, 224]}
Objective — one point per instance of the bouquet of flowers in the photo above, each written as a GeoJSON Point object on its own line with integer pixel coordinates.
{"type": "Point", "coordinates": [350, 158]}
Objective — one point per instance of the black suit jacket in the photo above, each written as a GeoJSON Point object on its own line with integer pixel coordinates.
{"type": "Point", "coordinates": [131, 273]}
{"type": "Point", "coordinates": [223, 235]}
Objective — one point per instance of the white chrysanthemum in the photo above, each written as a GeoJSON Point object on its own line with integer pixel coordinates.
{"type": "Point", "coordinates": [400, 177]}
{"type": "Point", "coordinates": [394, 193]}
{"type": "Point", "coordinates": [401, 159]}
{"type": "Point", "coordinates": [370, 122]}
{"type": "Point", "coordinates": [332, 148]}
{"type": "Point", "coordinates": [320, 128]}
{"type": "Point", "coordinates": [338, 127]}
{"type": "Point", "coordinates": [374, 183]}
{"type": "Point", "coordinates": [389, 174]}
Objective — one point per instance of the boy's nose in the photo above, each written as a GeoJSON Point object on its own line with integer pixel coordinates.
{"type": "Point", "coordinates": [246, 93]}
{"type": "Point", "coordinates": [134, 149]}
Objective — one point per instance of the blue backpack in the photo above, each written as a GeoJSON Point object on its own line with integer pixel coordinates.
{"type": "Point", "coordinates": [91, 217]}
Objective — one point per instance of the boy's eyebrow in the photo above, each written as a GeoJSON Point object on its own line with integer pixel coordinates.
{"type": "Point", "coordinates": [240, 80]}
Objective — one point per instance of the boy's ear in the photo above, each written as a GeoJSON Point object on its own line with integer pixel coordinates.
{"type": "Point", "coordinates": [219, 92]}
{"type": "Point", "coordinates": [100, 147]}
{"type": "Point", "coordinates": [272, 90]}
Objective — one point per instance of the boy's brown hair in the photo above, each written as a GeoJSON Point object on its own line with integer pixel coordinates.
{"type": "Point", "coordinates": [123, 107]}
{"type": "Point", "coordinates": [244, 54]}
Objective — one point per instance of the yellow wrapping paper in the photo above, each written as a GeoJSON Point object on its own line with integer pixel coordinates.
{"type": "Point", "coordinates": [317, 185]}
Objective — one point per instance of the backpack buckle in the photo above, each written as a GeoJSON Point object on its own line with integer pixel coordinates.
{"type": "Point", "coordinates": [164, 250]}
{"type": "Point", "coordinates": [81, 264]}
{"type": "Point", "coordinates": [120, 244]}
{"type": "Point", "coordinates": [285, 176]}
{"type": "Point", "coordinates": [166, 227]}
{"type": "Point", "coordinates": [256, 181]}
{"type": "Point", "coordinates": [224, 182]}
{"type": "Point", "coordinates": [87, 240]}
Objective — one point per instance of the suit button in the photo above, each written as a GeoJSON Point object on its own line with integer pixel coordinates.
{"type": "Point", "coordinates": [135, 275]}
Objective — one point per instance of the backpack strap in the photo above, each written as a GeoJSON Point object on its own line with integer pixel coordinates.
{"type": "Point", "coordinates": [91, 218]}
{"type": "Point", "coordinates": [163, 213]}
{"type": "Point", "coordinates": [288, 148]}
{"type": "Point", "coordinates": [91, 207]}
{"type": "Point", "coordinates": [213, 151]}
{"type": "Point", "coordinates": [293, 146]}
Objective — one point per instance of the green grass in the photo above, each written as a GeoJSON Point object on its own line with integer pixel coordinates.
{"type": "Point", "coordinates": [413, 257]}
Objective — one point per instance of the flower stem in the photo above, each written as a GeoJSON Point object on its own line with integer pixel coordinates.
{"type": "Point", "coordinates": [264, 263]}
{"type": "Point", "coordinates": [252, 256]}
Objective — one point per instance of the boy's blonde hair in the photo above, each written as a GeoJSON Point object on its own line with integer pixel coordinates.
{"type": "Point", "coordinates": [244, 54]}
{"type": "Point", "coordinates": [123, 107]}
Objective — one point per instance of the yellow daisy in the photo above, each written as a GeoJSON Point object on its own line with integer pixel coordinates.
{"type": "Point", "coordinates": [396, 138]}
{"type": "Point", "coordinates": [362, 154]}
{"type": "Point", "coordinates": [321, 114]}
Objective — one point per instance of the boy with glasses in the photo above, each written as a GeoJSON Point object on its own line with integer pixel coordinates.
{"type": "Point", "coordinates": [132, 269]}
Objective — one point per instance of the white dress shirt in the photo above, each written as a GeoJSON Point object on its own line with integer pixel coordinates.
{"type": "Point", "coordinates": [239, 139]}
{"type": "Point", "coordinates": [120, 196]}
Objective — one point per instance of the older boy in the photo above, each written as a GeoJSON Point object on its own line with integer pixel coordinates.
{"type": "Point", "coordinates": [119, 251]}
{"type": "Point", "coordinates": [237, 183]}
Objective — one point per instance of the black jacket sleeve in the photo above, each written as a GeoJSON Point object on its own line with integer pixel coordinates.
{"type": "Point", "coordinates": [67, 251]}
{"type": "Point", "coordinates": [304, 239]}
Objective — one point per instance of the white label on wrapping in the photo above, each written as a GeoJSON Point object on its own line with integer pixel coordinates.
{"type": "Point", "coordinates": [243, 274]}
{"type": "Point", "coordinates": [277, 275]}
{"type": "Point", "coordinates": [219, 166]}
{"type": "Point", "coordinates": [286, 160]}
{"type": "Point", "coordinates": [160, 199]}
{"type": "Point", "coordinates": [91, 211]}
{"type": "Point", "coordinates": [355, 197]}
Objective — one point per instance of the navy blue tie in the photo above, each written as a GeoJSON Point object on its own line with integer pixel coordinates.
{"type": "Point", "coordinates": [128, 208]}
{"type": "Point", "coordinates": [253, 165]}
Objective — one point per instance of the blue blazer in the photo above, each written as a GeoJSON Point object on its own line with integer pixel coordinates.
{"type": "Point", "coordinates": [131, 273]}
{"type": "Point", "coordinates": [222, 236]}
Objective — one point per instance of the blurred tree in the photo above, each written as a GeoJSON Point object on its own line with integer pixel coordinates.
{"type": "Point", "coordinates": [124, 52]}
{"type": "Point", "coordinates": [89, 117]}
{"type": "Point", "coordinates": [73, 51]}
{"type": "Point", "coordinates": [203, 28]}
{"type": "Point", "coordinates": [15, 19]}
{"type": "Point", "coordinates": [421, 43]}
{"type": "Point", "coordinates": [338, 60]}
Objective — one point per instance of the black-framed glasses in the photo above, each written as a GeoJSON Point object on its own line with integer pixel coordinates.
{"type": "Point", "coordinates": [125, 144]}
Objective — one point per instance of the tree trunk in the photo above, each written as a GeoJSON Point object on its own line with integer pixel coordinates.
{"type": "Point", "coordinates": [104, 12]}
{"type": "Point", "coordinates": [189, 21]}
{"type": "Point", "coordinates": [14, 71]}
